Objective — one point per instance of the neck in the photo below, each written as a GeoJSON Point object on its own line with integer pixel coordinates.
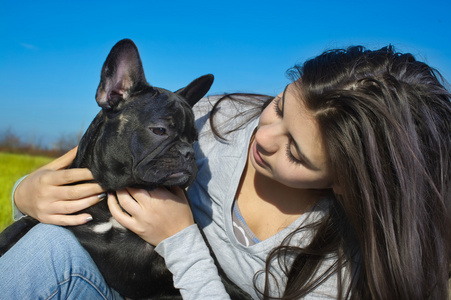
{"type": "Point", "coordinates": [288, 200]}
{"type": "Point", "coordinates": [269, 206]}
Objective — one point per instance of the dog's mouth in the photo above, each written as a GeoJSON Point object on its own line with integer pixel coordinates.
{"type": "Point", "coordinates": [176, 175]}
{"type": "Point", "coordinates": [149, 175]}
{"type": "Point", "coordinates": [171, 167]}
{"type": "Point", "coordinates": [182, 179]}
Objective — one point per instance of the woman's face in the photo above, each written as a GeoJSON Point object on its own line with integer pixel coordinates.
{"type": "Point", "coordinates": [287, 146]}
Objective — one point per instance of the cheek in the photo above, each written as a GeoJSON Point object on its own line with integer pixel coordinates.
{"type": "Point", "coordinates": [296, 176]}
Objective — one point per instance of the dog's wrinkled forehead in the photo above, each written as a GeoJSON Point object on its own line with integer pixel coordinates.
{"type": "Point", "coordinates": [162, 105]}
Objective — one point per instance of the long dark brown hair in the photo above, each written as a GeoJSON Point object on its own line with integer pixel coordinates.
{"type": "Point", "coordinates": [385, 120]}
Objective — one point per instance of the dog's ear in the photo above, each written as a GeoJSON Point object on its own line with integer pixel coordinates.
{"type": "Point", "coordinates": [121, 73]}
{"type": "Point", "coordinates": [194, 91]}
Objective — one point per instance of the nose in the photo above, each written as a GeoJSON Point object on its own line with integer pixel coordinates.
{"type": "Point", "coordinates": [271, 137]}
{"type": "Point", "coordinates": [187, 153]}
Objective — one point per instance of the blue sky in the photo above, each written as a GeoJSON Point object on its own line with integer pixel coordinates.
{"type": "Point", "coordinates": [51, 52]}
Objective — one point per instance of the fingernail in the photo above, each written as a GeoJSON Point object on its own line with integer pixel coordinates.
{"type": "Point", "coordinates": [89, 219]}
{"type": "Point", "coordinates": [102, 196]}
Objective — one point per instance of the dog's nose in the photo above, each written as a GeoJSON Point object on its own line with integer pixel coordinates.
{"type": "Point", "coordinates": [187, 153]}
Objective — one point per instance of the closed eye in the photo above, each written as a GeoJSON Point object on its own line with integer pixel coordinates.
{"type": "Point", "coordinates": [291, 157]}
{"type": "Point", "coordinates": [279, 111]}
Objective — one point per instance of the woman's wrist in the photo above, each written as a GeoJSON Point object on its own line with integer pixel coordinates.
{"type": "Point", "coordinates": [188, 230]}
{"type": "Point", "coordinates": [17, 214]}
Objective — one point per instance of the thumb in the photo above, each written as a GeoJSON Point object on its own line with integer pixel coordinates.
{"type": "Point", "coordinates": [178, 192]}
{"type": "Point", "coordinates": [63, 161]}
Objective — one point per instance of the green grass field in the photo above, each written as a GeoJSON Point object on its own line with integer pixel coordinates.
{"type": "Point", "coordinates": [12, 167]}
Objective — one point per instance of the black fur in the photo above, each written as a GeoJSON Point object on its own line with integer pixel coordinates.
{"type": "Point", "coordinates": [142, 137]}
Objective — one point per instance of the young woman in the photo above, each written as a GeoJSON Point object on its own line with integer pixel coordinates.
{"type": "Point", "coordinates": [340, 187]}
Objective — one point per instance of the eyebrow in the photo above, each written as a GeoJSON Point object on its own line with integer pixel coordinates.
{"type": "Point", "coordinates": [307, 162]}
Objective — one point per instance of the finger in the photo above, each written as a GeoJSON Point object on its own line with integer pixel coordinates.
{"type": "Point", "coordinates": [63, 161]}
{"type": "Point", "coordinates": [163, 193]}
{"type": "Point", "coordinates": [71, 207]}
{"type": "Point", "coordinates": [139, 195]}
{"type": "Point", "coordinates": [127, 202]}
{"type": "Point", "coordinates": [68, 176]}
{"type": "Point", "coordinates": [178, 192]}
{"type": "Point", "coordinates": [79, 191]}
{"type": "Point", "coordinates": [117, 213]}
{"type": "Point", "coordinates": [68, 220]}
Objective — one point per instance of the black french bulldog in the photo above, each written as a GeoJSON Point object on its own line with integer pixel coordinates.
{"type": "Point", "coordinates": [142, 137]}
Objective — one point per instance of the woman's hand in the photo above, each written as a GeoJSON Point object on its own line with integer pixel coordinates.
{"type": "Point", "coordinates": [45, 195]}
{"type": "Point", "coordinates": [153, 215]}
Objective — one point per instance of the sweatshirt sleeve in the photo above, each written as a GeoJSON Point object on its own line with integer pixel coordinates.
{"type": "Point", "coordinates": [17, 214]}
{"type": "Point", "coordinates": [189, 260]}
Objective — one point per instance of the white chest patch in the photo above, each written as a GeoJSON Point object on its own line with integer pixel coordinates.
{"type": "Point", "coordinates": [104, 227]}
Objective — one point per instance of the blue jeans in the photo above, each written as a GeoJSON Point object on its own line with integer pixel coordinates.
{"type": "Point", "coordinates": [49, 263]}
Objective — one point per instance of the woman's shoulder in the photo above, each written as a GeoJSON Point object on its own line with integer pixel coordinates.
{"type": "Point", "coordinates": [227, 112]}
{"type": "Point", "coordinates": [230, 104]}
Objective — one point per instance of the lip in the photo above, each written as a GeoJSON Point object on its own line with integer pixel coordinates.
{"type": "Point", "coordinates": [257, 158]}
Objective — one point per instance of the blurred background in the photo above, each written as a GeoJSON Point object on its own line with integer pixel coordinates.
{"type": "Point", "coordinates": [51, 52]}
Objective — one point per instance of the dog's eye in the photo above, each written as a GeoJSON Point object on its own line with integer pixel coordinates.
{"type": "Point", "coordinates": [158, 130]}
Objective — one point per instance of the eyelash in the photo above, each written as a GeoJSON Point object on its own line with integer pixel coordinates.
{"type": "Point", "coordinates": [291, 157]}
{"type": "Point", "coordinates": [287, 147]}
{"type": "Point", "coordinates": [276, 106]}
